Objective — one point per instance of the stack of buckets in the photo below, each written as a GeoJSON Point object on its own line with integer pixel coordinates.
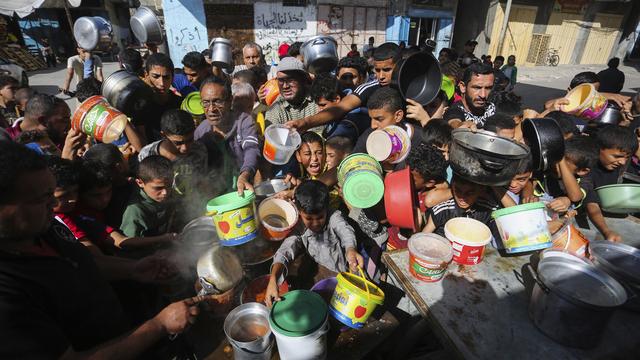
{"type": "Point", "coordinates": [360, 177]}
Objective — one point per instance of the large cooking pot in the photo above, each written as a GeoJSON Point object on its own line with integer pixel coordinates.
{"type": "Point", "coordinates": [127, 93]}
{"type": "Point", "coordinates": [572, 301]}
{"type": "Point", "coordinates": [247, 329]}
{"type": "Point", "coordinates": [544, 137]}
{"type": "Point", "coordinates": [418, 77]}
{"type": "Point", "coordinates": [485, 158]}
{"type": "Point", "coordinates": [623, 263]}
{"type": "Point", "coordinates": [222, 53]}
{"type": "Point", "coordinates": [611, 115]}
{"type": "Point", "coordinates": [219, 269]}
{"type": "Point", "coordinates": [146, 26]}
{"type": "Point", "coordinates": [320, 54]}
{"type": "Point", "coordinates": [93, 33]}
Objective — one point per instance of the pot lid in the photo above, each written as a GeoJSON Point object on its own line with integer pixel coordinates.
{"type": "Point", "coordinates": [623, 260]}
{"type": "Point", "coordinates": [518, 208]}
{"type": "Point", "coordinates": [490, 143]}
{"type": "Point", "coordinates": [581, 283]}
{"type": "Point", "coordinates": [299, 313]}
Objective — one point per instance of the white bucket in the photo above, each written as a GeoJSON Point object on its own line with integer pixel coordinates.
{"type": "Point", "coordinates": [280, 143]}
{"type": "Point", "coordinates": [523, 227]}
{"type": "Point", "coordinates": [308, 347]}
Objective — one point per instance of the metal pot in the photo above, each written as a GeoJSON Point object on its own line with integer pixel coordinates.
{"type": "Point", "coordinates": [93, 33]}
{"type": "Point", "coordinates": [485, 158]}
{"type": "Point", "coordinates": [622, 262]}
{"type": "Point", "coordinates": [200, 232]}
{"type": "Point", "coordinates": [222, 53]}
{"type": "Point", "coordinates": [248, 331]}
{"type": "Point", "coordinates": [611, 115]}
{"type": "Point", "coordinates": [127, 93]}
{"type": "Point", "coordinates": [418, 77]}
{"type": "Point", "coordinates": [146, 26]}
{"type": "Point", "coordinates": [572, 301]}
{"type": "Point", "coordinates": [320, 54]}
{"type": "Point", "coordinates": [269, 188]}
{"type": "Point", "coordinates": [544, 137]}
{"type": "Point", "coordinates": [219, 269]}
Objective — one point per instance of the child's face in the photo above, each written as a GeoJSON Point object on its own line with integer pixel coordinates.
{"type": "Point", "coordinates": [418, 180]}
{"type": "Point", "coordinates": [66, 199]}
{"type": "Point", "coordinates": [157, 189]}
{"type": "Point", "coordinates": [511, 60]}
{"type": "Point", "coordinates": [574, 168]}
{"type": "Point", "coordinates": [8, 92]}
{"type": "Point", "coordinates": [466, 194]}
{"type": "Point", "coordinates": [311, 157]}
{"type": "Point", "coordinates": [314, 222]}
{"type": "Point", "coordinates": [507, 133]}
{"type": "Point", "coordinates": [97, 198]}
{"type": "Point", "coordinates": [324, 103]}
{"type": "Point", "coordinates": [519, 182]}
{"type": "Point", "coordinates": [334, 157]}
{"type": "Point", "coordinates": [612, 159]}
{"type": "Point", "coordinates": [381, 118]}
{"type": "Point", "coordinates": [182, 143]}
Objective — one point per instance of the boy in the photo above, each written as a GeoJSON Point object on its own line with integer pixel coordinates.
{"type": "Point", "coordinates": [336, 149]}
{"type": "Point", "coordinates": [511, 71]}
{"type": "Point", "coordinates": [502, 125]}
{"type": "Point", "coordinates": [569, 125]}
{"type": "Point", "coordinates": [150, 210]}
{"type": "Point", "coordinates": [311, 155]}
{"type": "Point", "coordinates": [8, 87]}
{"type": "Point", "coordinates": [616, 145]}
{"type": "Point", "coordinates": [325, 236]}
{"type": "Point", "coordinates": [520, 180]}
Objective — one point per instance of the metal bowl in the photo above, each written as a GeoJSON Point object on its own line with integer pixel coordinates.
{"type": "Point", "coordinates": [92, 32]}
{"type": "Point", "coordinates": [271, 187]}
{"type": "Point", "coordinates": [146, 26]}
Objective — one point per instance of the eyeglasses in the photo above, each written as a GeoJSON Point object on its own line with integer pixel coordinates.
{"type": "Point", "coordinates": [216, 103]}
{"type": "Point", "coordinates": [287, 80]}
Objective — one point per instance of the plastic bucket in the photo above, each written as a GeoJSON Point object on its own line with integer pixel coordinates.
{"type": "Point", "coordinates": [468, 238]}
{"type": "Point", "coordinates": [96, 118]}
{"type": "Point", "coordinates": [256, 289]}
{"type": "Point", "coordinates": [360, 176]}
{"type": "Point", "coordinates": [585, 101]}
{"type": "Point", "coordinates": [193, 105]}
{"type": "Point", "coordinates": [300, 324]}
{"type": "Point", "coordinates": [354, 299]}
{"type": "Point", "coordinates": [523, 227]}
{"type": "Point", "coordinates": [234, 217]}
{"type": "Point", "coordinates": [277, 217]}
{"type": "Point", "coordinates": [571, 239]}
{"type": "Point", "coordinates": [325, 288]}
{"type": "Point", "coordinates": [429, 256]}
{"type": "Point", "coordinates": [280, 143]}
{"type": "Point", "coordinates": [247, 329]}
{"type": "Point", "coordinates": [272, 91]}
{"type": "Point", "coordinates": [389, 144]}
{"type": "Point", "coordinates": [400, 200]}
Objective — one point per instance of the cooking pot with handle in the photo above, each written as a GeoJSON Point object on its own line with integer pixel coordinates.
{"type": "Point", "coordinates": [222, 53]}
{"type": "Point", "coordinates": [146, 26]}
{"type": "Point", "coordinates": [127, 93]}
{"type": "Point", "coordinates": [544, 137]}
{"type": "Point", "coordinates": [320, 54]}
{"type": "Point", "coordinates": [93, 33]}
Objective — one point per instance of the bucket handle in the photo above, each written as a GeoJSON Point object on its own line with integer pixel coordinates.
{"type": "Point", "coordinates": [366, 282]}
{"type": "Point", "coordinates": [211, 213]}
{"type": "Point", "coordinates": [566, 246]}
{"type": "Point", "coordinates": [319, 42]}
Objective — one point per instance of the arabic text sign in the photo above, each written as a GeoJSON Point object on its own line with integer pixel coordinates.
{"type": "Point", "coordinates": [185, 27]}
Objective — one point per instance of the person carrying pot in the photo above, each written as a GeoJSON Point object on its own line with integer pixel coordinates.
{"type": "Point", "coordinates": [76, 65]}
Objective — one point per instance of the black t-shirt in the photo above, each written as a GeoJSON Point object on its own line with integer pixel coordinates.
{"type": "Point", "coordinates": [449, 209]}
{"type": "Point", "coordinates": [48, 303]}
{"type": "Point", "coordinates": [364, 91]}
{"type": "Point", "coordinates": [151, 114]}
{"type": "Point", "coordinates": [599, 176]}
{"type": "Point", "coordinates": [458, 111]}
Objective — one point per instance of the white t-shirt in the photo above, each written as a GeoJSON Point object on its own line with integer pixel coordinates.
{"type": "Point", "coordinates": [77, 64]}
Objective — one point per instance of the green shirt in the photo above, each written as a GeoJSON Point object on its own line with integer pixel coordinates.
{"type": "Point", "coordinates": [145, 217]}
{"type": "Point", "coordinates": [282, 111]}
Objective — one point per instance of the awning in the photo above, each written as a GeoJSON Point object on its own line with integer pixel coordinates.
{"type": "Point", "coordinates": [20, 7]}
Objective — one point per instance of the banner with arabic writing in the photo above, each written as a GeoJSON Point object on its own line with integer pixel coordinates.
{"type": "Point", "coordinates": [185, 27]}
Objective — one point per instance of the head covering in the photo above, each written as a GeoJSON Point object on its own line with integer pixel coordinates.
{"type": "Point", "coordinates": [290, 64]}
{"type": "Point", "coordinates": [283, 50]}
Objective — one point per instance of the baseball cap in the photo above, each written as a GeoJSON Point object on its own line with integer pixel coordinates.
{"type": "Point", "coordinates": [290, 64]}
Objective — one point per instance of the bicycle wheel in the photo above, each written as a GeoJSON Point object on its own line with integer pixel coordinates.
{"type": "Point", "coordinates": [554, 60]}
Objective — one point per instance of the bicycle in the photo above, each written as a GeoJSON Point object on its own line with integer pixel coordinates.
{"type": "Point", "coordinates": [552, 57]}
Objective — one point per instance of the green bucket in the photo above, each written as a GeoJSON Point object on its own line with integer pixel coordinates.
{"type": "Point", "coordinates": [360, 176]}
{"type": "Point", "coordinates": [193, 105]}
{"type": "Point", "coordinates": [234, 217]}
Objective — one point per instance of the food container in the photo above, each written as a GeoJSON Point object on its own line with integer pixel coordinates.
{"type": "Point", "coordinates": [360, 177]}
{"type": "Point", "coordinates": [269, 188]}
{"type": "Point", "coordinates": [429, 256]}
{"type": "Point", "coordinates": [400, 199]}
{"type": "Point", "coordinates": [545, 139]}
{"type": "Point", "coordinates": [300, 324]}
{"type": "Point", "coordinates": [280, 143]}
{"type": "Point", "coordinates": [623, 263]}
{"type": "Point", "coordinates": [272, 91]}
{"type": "Point", "coordinates": [418, 78]}
{"type": "Point", "coordinates": [219, 270]}
{"type": "Point", "coordinates": [277, 217]}
{"type": "Point", "coordinates": [390, 144]}
{"type": "Point", "coordinates": [523, 227]}
{"type": "Point", "coordinates": [248, 332]}
{"type": "Point", "coordinates": [585, 102]}
{"type": "Point", "coordinates": [256, 290]}
{"type": "Point", "coordinates": [222, 53]}
{"type": "Point", "coordinates": [571, 239]}
{"type": "Point", "coordinates": [234, 217]}
{"type": "Point", "coordinates": [468, 238]}
{"type": "Point", "coordinates": [146, 26]}
{"type": "Point", "coordinates": [620, 198]}
{"type": "Point", "coordinates": [320, 54]}
{"type": "Point", "coordinates": [127, 93]}
{"type": "Point", "coordinates": [96, 118]}
{"type": "Point", "coordinates": [325, 288]}
{"type": "Point", "coordinates": [354, 299]}
{"type": "Point", "coordinates": [92, 33]}
{"type": "Point", "coordinates": [193, 105]}
{"type": "Point", "coordinates": [611, 115]}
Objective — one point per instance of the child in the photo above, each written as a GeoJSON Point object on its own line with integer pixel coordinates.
{"type": "Point", "coordinates": [520, 180]}
{"type": "Point", "coordinates": [616, 145]}
{"type": "Point", "coordinates": [511, 71]}
{"type": "Point", "coordinates": [311, 155]}
{"type": "Point", "coordinates": [337, 148]}
{"type": "Point", "coordinates": [569, 125]}
{"type": "Point", "coordinates": [39, 139]}
{"type": "Point", "coordinates": [8, 87]}
{"type": "Point", "coordinates": [23, 95]}
{"type": "Point", "coordinates": [502, 125]}
{"type": "Point", "coordinates": [150, 210]}
{"type": "Point", "coordinates": [437, 133]}
{"type": "Point", "coordinates": [325, 236]}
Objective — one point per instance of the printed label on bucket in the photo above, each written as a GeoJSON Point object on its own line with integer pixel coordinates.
{"type": "Point", "coordinates": [236, 227]}
{"type": "Point", "coordinates": [426, 271]}
{"type": "Point", "coordinates": [349, 308]}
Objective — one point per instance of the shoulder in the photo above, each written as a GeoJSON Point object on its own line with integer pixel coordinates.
{"type": "Point", "coordinates": [150, 149]}
{"type": "Point", "coordinates": [368, 86]}
{"type": "Point", "coordinates": [443, 207]}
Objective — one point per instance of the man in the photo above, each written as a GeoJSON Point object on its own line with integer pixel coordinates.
{"type": "Point", "coordinates": [352, 72]}
{"type": "Point", "coordinates": [475, 88]}
{"type": "Point", "coordinates": [36, 115]}
{"type": "Point", "coordinates": [294, 101]}
{"type": "Point", "coordinates": [611, 79]}
{"type": "Point", "coordinates": [131, 61]}
{"type": "Point", "coordinates": [385, 58]}
{"type": "Point", "coordinates": [55, 301]}
{"type": "Point", "coordinates": [468, 57]}
{"type": "Point", "coordinates": [369, 46]}
{"type": "Point", "coordinates": [252, 56]}
{"type": "Point", "coordinates": [196, 68]}
{"type": "Point", "coordinates": [76, 65]}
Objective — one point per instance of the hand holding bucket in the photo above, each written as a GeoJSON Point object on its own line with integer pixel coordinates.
{"type": "Point", "coordinates": [98, 119]}
{"type": "Point", "coordinates": [280, 143]}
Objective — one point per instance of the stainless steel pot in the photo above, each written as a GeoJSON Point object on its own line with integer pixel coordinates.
{"type": "Point", "coordinates": [200, 232]}
{"type": "Point", "coordinates": [219, 269]}
{"type": "Point", "coordinates": [572, 301]}
{"type": "Point", "coordinates": [127, 93]}
{"type": "Point", "coordinates": [248, 331]}
{"type": "Point", "coordinates": [544, 137]}
{"type": "Point", "coordinates": [623, 263]}
{"type": "Point", "coordinates": [269, 188]}
{"type": "Point", "coordinates": [93, 33]}
{"type": "Point", "coordinates": [320, 54]}
{"type": "Point", "coordinates": [611, 115]}
{"type": "Point", "coordinates": [146, 26]}
{"type": "Point", "coordinates": [485, 158]}
{"type": "Point", "coordinates": [222, 53]}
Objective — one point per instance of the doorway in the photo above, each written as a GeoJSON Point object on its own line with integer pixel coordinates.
{"type": "Point", "coordinates": [421, 30]}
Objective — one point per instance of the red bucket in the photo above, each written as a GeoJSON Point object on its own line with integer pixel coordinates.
{"type": "Point", "coordinates": [96, 118]}
{"type": "Point", "coordinates": [400, 199]}
{"type": "Point", "coordinates": [468, 238]}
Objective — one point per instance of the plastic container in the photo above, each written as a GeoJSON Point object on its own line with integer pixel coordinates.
{"type": "Point", "coordinates": [234, 217]}
{"type": "Point", "coordinates": [468, 238]}
{"type": "Point", "coordinates": [325, 288]}
{"type": "Point", "coordinates": [523, 227]}
{"type": "Point", "coordinates": [571, 239]}
{"type": "Point", "coordinates": [272, 91]}
{"type": "Point", "coordinates": [429, 256]}
{"type": "Point", "coordinates": [280, 143]}
{"type": "Point", "coordinates": [256, 289]}
{"type": "Point", "coordinates": [248, 332]}
{"type": "Point", "coordinates": [354, 299]}
{"type": "Point", "coordinates": [620, 198]}
{"type": "Point", "coordinates": [400, 199]}
{"type": "Point", "coordinates": [360, 176]}
{"type": "Point", "coordinates": [585, 102]}
{"type": "Point", "coordinates": [390, 144]}
{"type": "Point", "coordinates": [96, 118]}
{"type": "Point", "coordinates": [193, 105]}
{"type": "Point", "coordinates": [277, 217]}
{"type": "Point", "coordinates": [300, 324]}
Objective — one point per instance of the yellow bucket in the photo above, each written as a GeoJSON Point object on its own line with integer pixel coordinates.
{"type": "Point", "coordinates": [234, 217]}
{"type": "Point", "coordinates": [354, 299]}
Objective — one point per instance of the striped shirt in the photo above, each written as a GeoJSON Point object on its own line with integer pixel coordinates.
{"type": "Point", "coordinates": [282, 111]}
{"type": "Point", "coordinates": [447, 210]}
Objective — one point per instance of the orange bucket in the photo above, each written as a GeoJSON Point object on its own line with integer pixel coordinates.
{"type": "Point", "coordinates": [570, 238]}
{"type": "Point", "coordinates": [96, 118]}
{"type": "Point", "coordinates": [278, 217]}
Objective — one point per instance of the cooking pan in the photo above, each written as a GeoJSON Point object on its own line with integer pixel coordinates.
{"type": "Point", "coordinates": [127, 93]}
{"type": "Point", "coordinates": [610, 116]}
{"type": "Point", "coordinates": [146, 26]}
{"type": "Point", "coordinates": [418, 77]}
{"type": "Point", "coordinates": [544, 137]}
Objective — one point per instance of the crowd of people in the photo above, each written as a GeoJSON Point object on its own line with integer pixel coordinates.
{"type": "Point", "coordinates": [85, 226]}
